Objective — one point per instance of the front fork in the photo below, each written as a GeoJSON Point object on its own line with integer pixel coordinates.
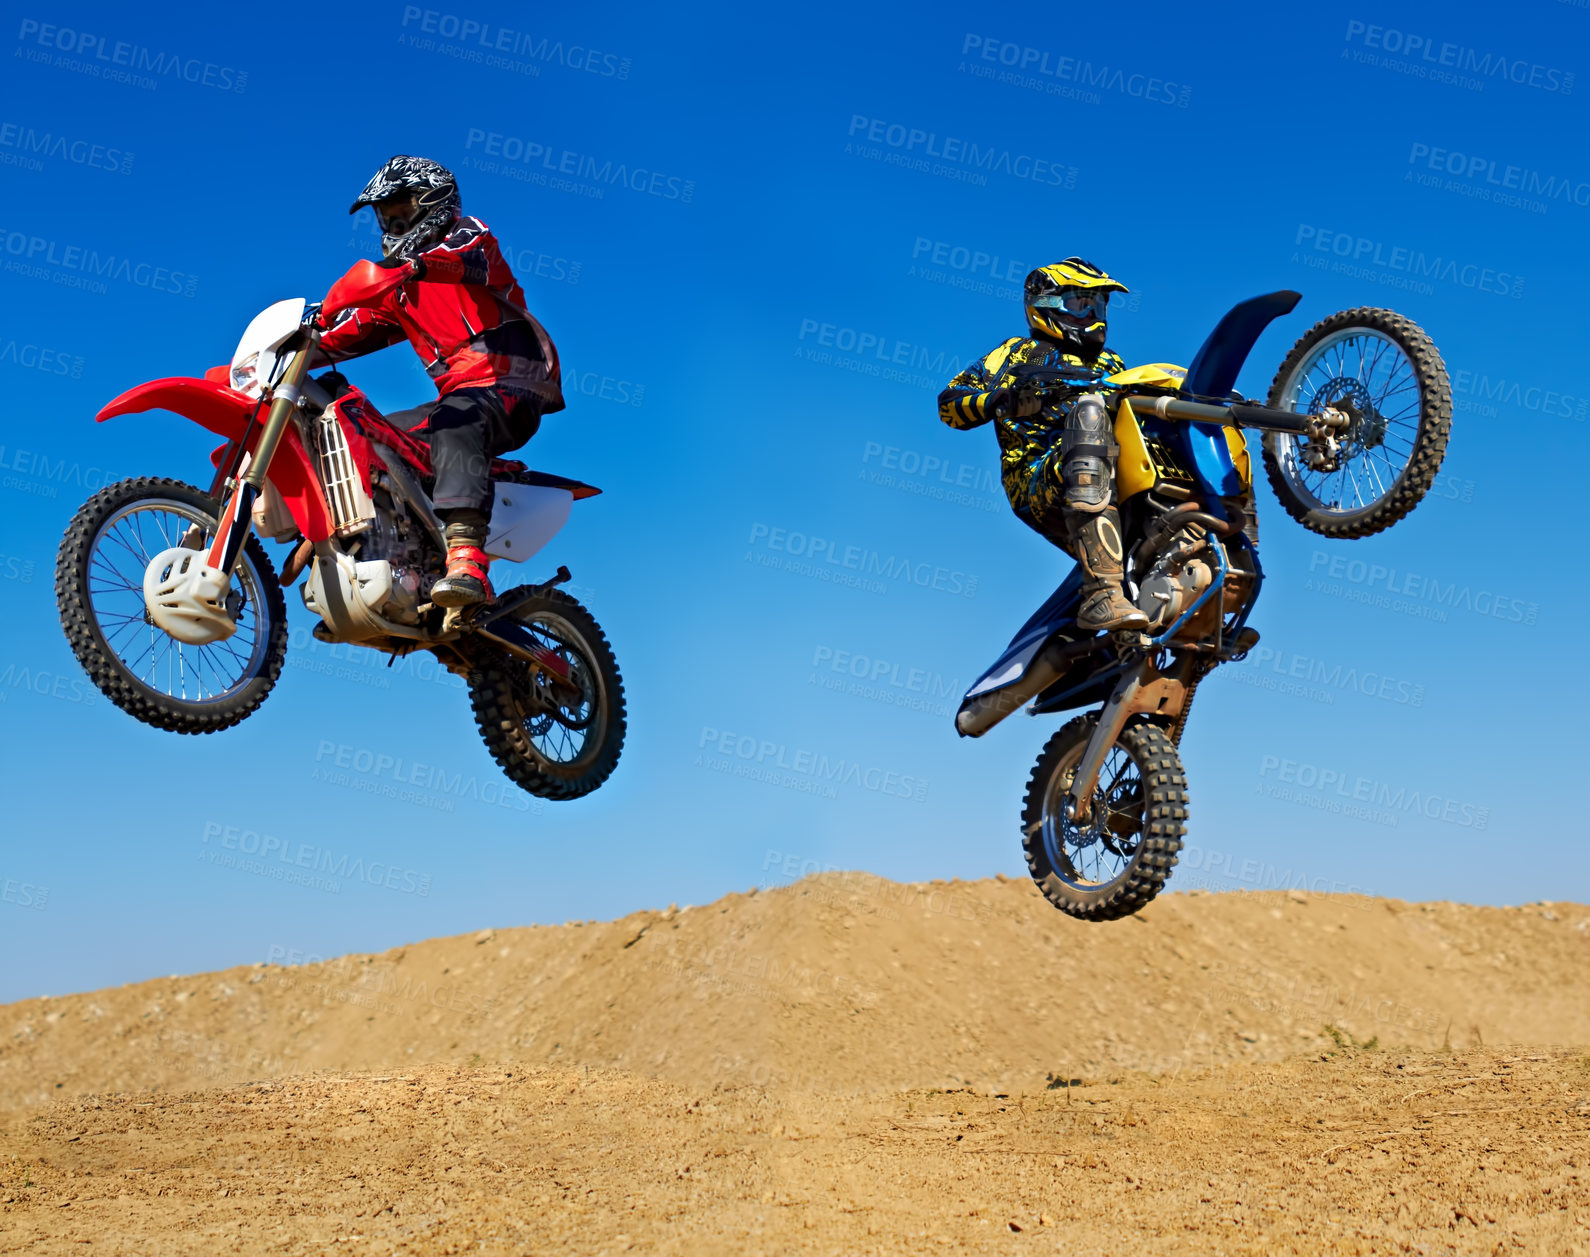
{"type": "Point", "coordinates": [1142, 689]}
{"type": "Point", "coordinates": [237, 515]}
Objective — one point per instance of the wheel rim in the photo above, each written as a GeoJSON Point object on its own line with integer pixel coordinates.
{"type": "Point", "coordinates": [117, 557]}
{"type": "Point", "coordinates": [562, 720]}
{"type": "Point", "coordinates": [1095, 855]}
{"type": "Point", "coordinates": [1367, 374]}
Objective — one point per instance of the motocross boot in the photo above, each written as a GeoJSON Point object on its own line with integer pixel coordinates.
{"type": "Point", "coordinates": [466, 583]}
{"type": "Point", "coordinates": [1096, 538]}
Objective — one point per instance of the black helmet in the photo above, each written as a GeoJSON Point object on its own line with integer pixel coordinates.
{"type": "Point", "coordinates": [1066, 302]}
{"type": "Point", "coordinates": [415, 202]}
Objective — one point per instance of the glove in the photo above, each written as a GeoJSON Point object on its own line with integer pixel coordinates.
{"type": "Point", "coordinates": [415, 268]}
{"type": "Point", "coordinates": [1015, 403]}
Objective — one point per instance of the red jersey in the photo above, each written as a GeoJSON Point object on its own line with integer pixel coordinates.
{"type": "Point", "coordinates": [465, 315]}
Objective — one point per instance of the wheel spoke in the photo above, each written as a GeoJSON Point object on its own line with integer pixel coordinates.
{"type": "Point", "coordinates": [546, 714]}
{"type": "Point", "coordinates": [1368, 373]}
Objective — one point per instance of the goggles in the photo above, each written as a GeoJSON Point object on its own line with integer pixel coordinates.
{"type": "Point", "coordinates": [397, 214]}
{"type": "Point", "coordinates": [1079, 303]}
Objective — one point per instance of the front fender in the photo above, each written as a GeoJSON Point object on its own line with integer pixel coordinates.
{"type": "Point", "coordinates": [226, 412]}
{"type": "Point", "coordinates": [214, 407]}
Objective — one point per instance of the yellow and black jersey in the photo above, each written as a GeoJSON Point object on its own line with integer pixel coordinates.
{"type": "Point", "coordinates": [1029, 447]}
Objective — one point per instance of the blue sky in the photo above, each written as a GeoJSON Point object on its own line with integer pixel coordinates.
{"type": "Point", "coordinates": [754, 318]}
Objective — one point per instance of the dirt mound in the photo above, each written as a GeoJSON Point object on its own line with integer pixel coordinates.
{"type": "Point", "coordinates": [844, 1065]}
{"type": "Point", "coordinates": [847, 982]}
{"type": "Point", "coordinates": [1354, 1152]}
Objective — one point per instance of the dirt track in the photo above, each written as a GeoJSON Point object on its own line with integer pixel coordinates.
{"type": "Point", "coordinates": [843, 1066]}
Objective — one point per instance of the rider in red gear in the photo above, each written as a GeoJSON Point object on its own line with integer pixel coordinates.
{"type": "Point", "coordinates": [495, 367]}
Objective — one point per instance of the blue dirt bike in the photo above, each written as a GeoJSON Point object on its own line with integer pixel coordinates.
{"type": "Point", "coordinates": [1355, 428]}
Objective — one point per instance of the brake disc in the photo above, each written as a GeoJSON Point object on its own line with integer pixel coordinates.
{"type": "Point", "coordinates": [550, 697]}
{"type": "Point", "coordinates": [1351, 396]}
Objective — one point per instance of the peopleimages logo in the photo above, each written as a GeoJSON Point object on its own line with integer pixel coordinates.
{"type": "Point", "coordinates": [1498, 179]}
{"type": "Point", "coordinates": [1020, 59]}
{"type": "Point", "coordinates": [932, 466]}
{"type": "Point", "coordinates": [375, 769]}
{"type": "Point", "coordinates": [67, 689]}
{"type": "Point", "coordinates": [912, 146]}
{"type": "Point", "coordinates": [95, 55]}
{"type": "Point", "coordinates": [501, 40]}
{"type": "Point", "coordinates": [526, 262]}
{"type": "Point", "coordinates": [13, 567]}
{"type": "Point", "coordinates": [305, 855]}
{"type": "Point", "coordinates": [26, 146]}
{"type": "Point", "coordinates": [1285, 672]}
{"type": "Point", "coordinates": [884, 681]}
{"type": "Point", "coordinates": [565, 163]}
{"type": "Point", "coordinates": [1359, 789]}
{"type": "Point", "coordinates": [1362, 257]}
{"type": "Point", "coordinates": [1427, 57]}
{"type": "Point", "coordinates": [39, 358]}
{"type": "Point", "coordinates": [75, 266]}
{"type": "Point", "coordinates": [880, 347]}
{"type": "Point", "coordinates": [771, 757]}
{"type": "Point", "coordinates": [829, 559]}
{"type": "Point", "coordinates": [44, 475]}
{"type": "Point", "coordinates": [1418, 589]}
{"type": "Point", "coordinates": [24, 894]}
{"type": "Point", "coordinates": [970, 261]}
{"type": "Point", "coordinates": [1477, 392]}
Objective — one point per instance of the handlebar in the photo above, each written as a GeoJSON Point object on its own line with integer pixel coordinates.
{"type": "Point", "coordinates": [1228, 414]}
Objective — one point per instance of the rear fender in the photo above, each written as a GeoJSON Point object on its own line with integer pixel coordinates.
{"type": "Point", "coordinates": [226, 412]}
{"type": "Point", "coordinates": [1045, 651]}
{"type": "Point", "coordinates": [524, 518]}
{"type": "Point", "coordinates": [1058, 611]}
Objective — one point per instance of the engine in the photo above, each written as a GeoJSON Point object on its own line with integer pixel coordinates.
{"type": "Point", "coordinates": [380, 577]}
{"type": "Point", "coordinates": [1173, 583]}
{"type": "Point", "coordinates": [396, 538]}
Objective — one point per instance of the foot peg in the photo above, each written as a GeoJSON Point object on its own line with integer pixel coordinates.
{"type": "Point", "coordinates": [1242, 643]}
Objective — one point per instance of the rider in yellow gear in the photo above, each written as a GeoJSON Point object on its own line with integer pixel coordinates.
{"type": "Point", "coordinates": [1057, 455]}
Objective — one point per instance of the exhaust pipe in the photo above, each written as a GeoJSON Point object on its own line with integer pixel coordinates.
{"type": "Point", "coordinates": [978, 715]}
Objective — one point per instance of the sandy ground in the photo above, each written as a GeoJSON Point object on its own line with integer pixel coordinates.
{"type": "Point", "coordinates": [844, 1066]}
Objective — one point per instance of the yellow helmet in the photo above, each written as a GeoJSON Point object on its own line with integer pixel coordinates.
{"type": "Point", "coordinates": [1066, 302]}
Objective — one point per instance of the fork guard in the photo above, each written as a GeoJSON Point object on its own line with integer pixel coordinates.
{"type": "Point", "coordinates": [1142, 690]}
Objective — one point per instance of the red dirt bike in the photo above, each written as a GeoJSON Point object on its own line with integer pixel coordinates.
{"type": "Point", "coordinates": [175, 612]}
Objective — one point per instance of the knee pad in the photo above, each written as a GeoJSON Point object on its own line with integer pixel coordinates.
{"type": "Point", "coordinates": [1088, 482]}
{"type": "Point", "coordinates": [1087, 455]}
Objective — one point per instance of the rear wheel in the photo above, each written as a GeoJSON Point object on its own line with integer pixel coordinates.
{"type": "Point", "coordinates": [1118, 861]}
{"type": "Point", "coordinates": [1387, 376]}
{"type": "Point", "coordinates": [557, 738]}
{"type": "Point", "coordinates": [99, 576]}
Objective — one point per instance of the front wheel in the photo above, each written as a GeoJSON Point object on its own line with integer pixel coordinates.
{"type": "Point", "coordinates": [1120, 859]}
{"type": "Point", "coordinates": [1386, 375]}
{"type": "Point", "coordinates": [557, 737]}
{"type": "Point", "coordinates": [99, 588]}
